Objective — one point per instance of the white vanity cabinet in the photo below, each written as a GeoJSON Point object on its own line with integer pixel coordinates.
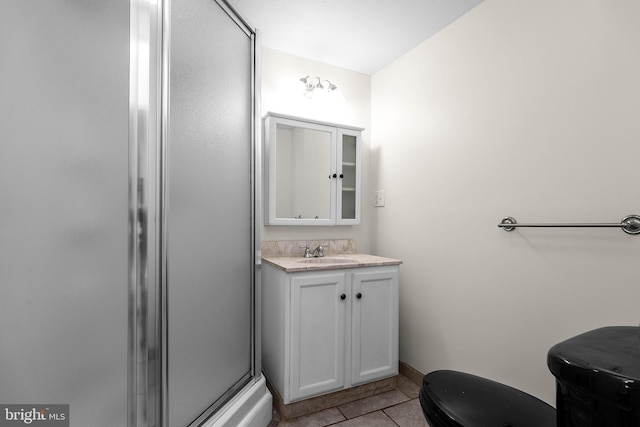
{"type": "Point", "coordinates": [312, 172]}
{"type": "Point", "coordinates": [328, 330]}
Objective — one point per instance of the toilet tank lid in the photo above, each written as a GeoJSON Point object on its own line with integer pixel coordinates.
{"type": "Point", "coordinates": [601, 361]}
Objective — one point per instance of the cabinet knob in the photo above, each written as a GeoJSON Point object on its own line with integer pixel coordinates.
{"type": "Point", "coordinates": [358, 295]}
{"type": "Point", "coordinates": [335, 175]}
{"type": "Point", "coordinates": [343, 296]}
{"type": "Point", "coordinates": [341, 175]}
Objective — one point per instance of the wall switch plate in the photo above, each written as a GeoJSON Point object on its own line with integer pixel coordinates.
{"type": "Point", "coordinates": [379, 201]}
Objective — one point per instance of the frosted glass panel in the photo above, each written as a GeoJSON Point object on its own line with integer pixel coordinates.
{"type": "Point", "coordinates": [349, 164]}
{"type": "Point", "coordinates": [64, 82]}
{"type": "Point", "coordinates": [209, 208]}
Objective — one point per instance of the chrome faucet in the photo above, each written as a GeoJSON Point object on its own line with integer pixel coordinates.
{"type": "Point", "coordinates": [318, 251]}
{"type": "Point", "coordinates": [307, 252]}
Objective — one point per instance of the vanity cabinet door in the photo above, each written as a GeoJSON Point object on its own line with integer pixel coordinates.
{"type": "Point", "coordinates": [374, 324]}
{"type": "Point", "coordinates": [317, 334]}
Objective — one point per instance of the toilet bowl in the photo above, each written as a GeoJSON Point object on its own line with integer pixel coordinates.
{"type": "Point", "coordinates": [597, 385]}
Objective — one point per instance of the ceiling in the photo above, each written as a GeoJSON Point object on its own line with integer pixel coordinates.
{"type": "Point", "coordinates": [360, 35]}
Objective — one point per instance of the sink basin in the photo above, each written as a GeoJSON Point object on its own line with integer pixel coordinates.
{"type": "Point", "coordinates": [327, 261]}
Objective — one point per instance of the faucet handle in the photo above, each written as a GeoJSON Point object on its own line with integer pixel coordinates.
{"type": "Point", "coordinates": [307, 251]}
{"type": "Point", "coordinates": [318, 251]}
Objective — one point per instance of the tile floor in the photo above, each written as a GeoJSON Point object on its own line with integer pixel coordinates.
{"type": "Point", "coordinates": [396, 408]}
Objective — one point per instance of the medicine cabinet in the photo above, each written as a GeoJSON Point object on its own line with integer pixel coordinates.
{"type": "Point", "coordinates": [312, 172]}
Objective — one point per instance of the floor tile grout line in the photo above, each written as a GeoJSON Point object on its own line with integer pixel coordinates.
{"type": "Point", "coordinates": [359, 416]}
{"type": "Point", "coordinates": [383, 410]}
{"type": "Point", "coordinates": [408, 395]}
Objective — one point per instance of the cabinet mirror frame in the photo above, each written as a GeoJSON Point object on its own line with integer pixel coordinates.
{"type": "Point", "coordinates": [331, 170]}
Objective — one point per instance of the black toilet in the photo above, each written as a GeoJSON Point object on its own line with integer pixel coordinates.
{"type": "Point", "coordinates": [597, 383]}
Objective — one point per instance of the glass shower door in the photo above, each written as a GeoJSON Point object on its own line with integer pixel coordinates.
{"type": "Point", "coordinates": [208, 209]}
{"type": "Point", "coordinates": [126, 262]}
{"type": "Point", "coordinates": [64, 208]}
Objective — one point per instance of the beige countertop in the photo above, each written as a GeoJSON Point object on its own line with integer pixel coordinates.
{"type": "Point", "coordinates": [328, 262]}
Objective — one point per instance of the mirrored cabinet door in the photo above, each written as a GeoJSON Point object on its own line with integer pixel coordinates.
{"type": "Point", "coordinates": [312, 172]}
{"type": "Point", "coordinates": [303, 159]}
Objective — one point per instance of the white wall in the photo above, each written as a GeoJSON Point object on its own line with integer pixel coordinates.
{"type": "Point", "coordinates": [522, 108]}
{"type": "Point", "coordinates": [281, 93]}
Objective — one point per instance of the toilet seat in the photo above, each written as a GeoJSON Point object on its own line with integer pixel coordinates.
{"type": "Point", "coordinates": [457, 399]}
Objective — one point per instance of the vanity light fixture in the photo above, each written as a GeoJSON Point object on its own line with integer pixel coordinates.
{"type": "Point", "coordinates": [310, 85]}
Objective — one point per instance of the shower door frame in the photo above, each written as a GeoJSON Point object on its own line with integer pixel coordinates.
{"type": "Point", "coordinates": [148, 141]}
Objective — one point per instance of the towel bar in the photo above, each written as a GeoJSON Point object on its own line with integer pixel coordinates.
{"type": "Point", "coordinates": [630, 224]}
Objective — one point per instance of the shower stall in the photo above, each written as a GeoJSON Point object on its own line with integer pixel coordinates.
{"type": "Point", "coordinates": [127, 213]}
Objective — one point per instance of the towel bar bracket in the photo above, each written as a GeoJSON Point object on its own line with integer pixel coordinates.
{"type": "Point", "coordinates": [508, 223]}
{"type": "Point", "coordinates": [630, 224]}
